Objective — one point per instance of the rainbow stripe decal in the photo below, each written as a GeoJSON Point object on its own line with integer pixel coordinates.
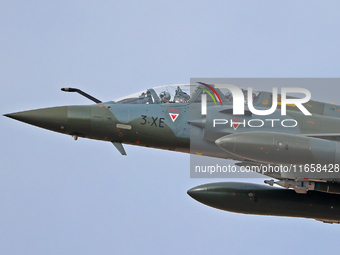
{"type": "Point", "coordinates": [213, 90]}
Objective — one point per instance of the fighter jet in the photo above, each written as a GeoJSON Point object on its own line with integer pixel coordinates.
{"type": "Point", "coordinates": [228, 123]}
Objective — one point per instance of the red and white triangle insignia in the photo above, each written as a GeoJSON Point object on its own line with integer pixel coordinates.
{"type": "Point", "coordinates": [235, 126]}
{"type": "Point", "coordinates": [173, 116]}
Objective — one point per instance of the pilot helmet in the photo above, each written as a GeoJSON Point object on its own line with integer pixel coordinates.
{"type": "Point", "coordinates": [165, 96]}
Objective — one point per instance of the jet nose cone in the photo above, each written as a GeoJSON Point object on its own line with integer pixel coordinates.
{"type": "Point", "coordinates": [49, 118]}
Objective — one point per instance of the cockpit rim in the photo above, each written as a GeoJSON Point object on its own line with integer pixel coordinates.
{"type": "Point", "coordinates": [193, 96]}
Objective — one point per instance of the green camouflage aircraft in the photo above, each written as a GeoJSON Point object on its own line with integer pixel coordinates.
{"type": "Point", "coordinates": [199, 119]}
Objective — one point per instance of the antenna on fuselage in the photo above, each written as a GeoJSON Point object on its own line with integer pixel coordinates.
{"type": "Point", "coordinates": [82, 93]}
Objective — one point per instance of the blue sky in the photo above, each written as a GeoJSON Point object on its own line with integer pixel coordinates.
{"type": "Point", "coordinates": [65, 197]}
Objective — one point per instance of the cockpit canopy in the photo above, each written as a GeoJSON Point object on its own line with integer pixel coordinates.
{"type": "Point", "coordinates": [181, 94]}
{"type": "Point", "coordinates": [158, 95]}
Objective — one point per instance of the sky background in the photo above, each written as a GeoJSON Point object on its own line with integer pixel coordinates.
{"type": "Point", "coordinates": [59, 196]}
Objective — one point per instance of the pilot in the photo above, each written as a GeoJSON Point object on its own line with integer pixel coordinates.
{"type": "Point", "coordinates": [181, 96]}
{"type": "Point", "coordinates": [148, 97]}
{"type": "Point", "coordinates": [229, 97]}
{"type": "Point", "coordinates": [165, 97]}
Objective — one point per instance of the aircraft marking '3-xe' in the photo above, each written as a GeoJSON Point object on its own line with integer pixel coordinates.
{"type": "Point", "coordinates": [154, 121]}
